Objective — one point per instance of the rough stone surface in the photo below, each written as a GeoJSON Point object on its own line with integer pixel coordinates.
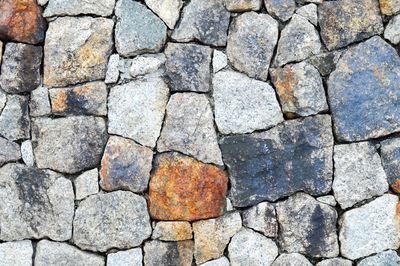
{"type": "Point", "coordinates": [335, 262]}
{"type": "Point", "coordinates": [168, 253]}
{"type": "Point", "coordinates": [223, 261]}
{"type": "Point", "coordinates": [325, 62]}
{"type": "Point", "coordinates": [27, 153]}
{"type": "Point", "coordinates": [14, 119]}
{"type": "Point", "coordinates": [293, 259]}
{"type": "Point", "coordinates": [112, 73]}
{"type": "Point", "coordinates": [328, 199]}
{"type": "Point", "coordinates": [77, 7]}
{"type": "Point", "coordinates": [220, 61]}
{"type": "Point", "coordinates": [392, 30]}
{"type": "Point", "coordinates": [9, 152]}
{"type": "Point", "coordinates": [131, 257]}
{"type": "Point", "coordinates": [243, 5]}
{"type": "Point", "coordinates": [18, 253]}
{"type": "Point", "coordinates": [390, 155]}
{"type": "Point", "coordinates": [86, 184]}
{"type": "Point", "coordinates": [40, 102]}
{"type": "Point", "coordinates": [262, 218]}
{"type": "Point", "coordinates": [389, 7]}
{"type": "Point", "coordinates": [381, 259]}
{"type": "Point", "coordinates": [167, 10]}
{"type": "Point", "coordinates": [3, 100]}
{"type": "Point", "coordinates": [172, 231]}
{"type": "Point", "coordinates": [281, 9]}
{"type": "Point", "coordinates": [309, 12]}
{"type": "Point", "coordinates": [146, 64]}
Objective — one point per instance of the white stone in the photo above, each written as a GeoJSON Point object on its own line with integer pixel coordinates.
{"type": "Point", "coordinates": [387, 258]}
{"type": "Point", "coordinates": [145, 64]}
{"type": "Point", "coordinates": [223, 261]}
{"type": "Point", "coordinates": [27, 153]}
{"type": "Point", "coordinates": [18, 253]}
{"type": "Point", "coordinates": [112, 73]}
{"type": "Point", "coordinates": [86, 184]}
{"type": "Point", "coordinates": [131, 257]}
{"type": "Point", "coordinates": [292, 259]}
{"type": "Point", "coordinates": [335, 262]}
{"type": "Point", "coordinates": [392, 31]}
{"type": "Point", "coordinates": [167, 10]}
{"type": "Point", "coordinates": [328, 199]}
{"type": "Point", "coordinates": [220, 60]}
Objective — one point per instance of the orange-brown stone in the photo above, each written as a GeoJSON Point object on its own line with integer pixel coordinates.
{"type": "Point", "coordinates": [183, 188]}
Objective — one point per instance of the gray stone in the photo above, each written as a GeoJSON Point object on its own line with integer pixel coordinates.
{"type": "Point", "coordinates": [77, 7]}
{"type": "Point", "coordinates": [262, 218]}
{"type": "Point", "coordinates": [40, 102]}
{"type": "Point", "coordinates": [392, 30]}
{"type": "Point", "coordinates": [35, 203]}
{"type": "Point", "coordinates": [138, 30]}
{"type": "Point", "coordinates": [223, 261]}
{"type": "Point", "coordinates": [325, 62]}
{"type": "Point", "coordinates": [167, 10]}
{"type": "Point", "coordinates": [131, 257]}
{"type": "Point", "coordinates": [9, 152]}
{"type": "Point", "coordinates": [371, 228]}
{"type": "Point", "coordinates": [390, 155]}
{"type": "Point", "coordinates": [123, 67]}
{"type": "Point", "coordinates": [14, 119]}
{"type": "Point", "coordinates": [293, 259]}
{"type": "Point", "coordinates": [27, 153]}
{"type": "Point", "coordinates": [86, 184]}
{"type": "Point", "coordinates": [189, 128]}
{"type": "Point", "coordinates": [363, 92]}
{"type": "Point", "coordinates": [3, 100]}
{"type": "Point", "coordinates": [18, 253]}
{"type": "Point", "coordinates": [328, 199]}
{"type": "Point", "coordinates": [251, 43]}
{"type": "Point", "coordinates": [112, 73]}
{"type": "Point", "coordinates": [168, 253]}
{"type": "Point", "coordinates": [1, 51]}
{"type": "Point", "coordinates": [145, 64]}
{"type": "Point", "coordinates": [204, 21]}
{"type": "Point", "coordinates": [114, 220]}
{"type": "Point", "coordinates": [172, 231]}
{"type": "Point", "coordinates": [220, 60]}
{"type": "Point", "coordinates": [309, 12]}
{"type": "Point", "coordinates": [386, 258]}
{"type": "Point", "coordinates": [335, 262]}
{"type": "Point", "coordinates": [302, 2]}
{"type": "Point", "coordinates": [243, 5]}
{"type": "Point", "coordinates": [136, 110]}
{"type": "Point", "coordinates": [20, 70]}
{"type": "Point", "coordinates": [281, 9]}
{"type": "Point", "coordinates": [69, 144]}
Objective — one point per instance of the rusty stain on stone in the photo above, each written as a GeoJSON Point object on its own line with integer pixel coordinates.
{"type": "Point", "coordinates": [387, 7]}
{"type": "Point", "coordinates": [59, 104]}
{"type": "Point", "coordinates": [285, 80]}
{"type": "Point", "coordinates": [396, 186]}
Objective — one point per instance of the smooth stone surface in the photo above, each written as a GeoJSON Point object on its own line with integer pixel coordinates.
{"type": "Point", "coordinates": [112, 73]}
{"type": "Point", "coordinates": [86, 184]}
{"type": "Point", "coordinates": [18, 253]}
{"type": "Point", "coordinates": [220, 60]}
{"type": "Point", "coordinates": [389, 7]}
{"type": "Point", "coordinates": [9, 152]}
{"type": "Point", "coordinates": [168, 253]}
{"type": "Point", "coordinates": [281, 9]}
{"type": "Point", "coordinates": [293, 259]}
{"type": "Point", "coordinates": [130, 257]}
{"type": "Point", "coordinates": [390, 155]}
{"type": "Point", "coordinates": [39, 104]}
{"type": "Point", "coordinates": [243, 5]}
{"type": "Point", "coordinates": [77, 7]}
{"type": "Point", "coordinates": [27, 153]}
{"type": "Point", "coordinates": [172, 231]}
{"type": "Point", "coordinates": [14, 119]}
{"type": "Point", "coordinates": [335, 262]}
{"type": "Point", "coordinates": [386, 258]}
{"type": "Point", "coordinates": [392, 30]}
{"type": "Point", "coordinates": [262, 218]}
{"type": "Point", "coordinates": [146, 64]}
{"type": "Point", "coordinates": [310, 12]}
{"type": "Point", "coordinates": [167, 10]}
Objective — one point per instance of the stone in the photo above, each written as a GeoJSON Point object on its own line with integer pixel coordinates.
{"type": "Point", "coordinates": [86, 99]}
{"type": "Point", "coordinates": [242, 5]}
{"type": "Point", "coordinates": [385, 258]}
{"type": "Point", "coordinates": [39, 104]}
{"type": "Point", "coordinates": [172, 231]}
{"type": "Point", "coordinates": [359, 174]}
{"type": "Point", "coordinates": [325, 62]}
{"type": "Point", "coordinates": [390, 155]}
{"type": "Point", "coordinates": [392, 30]}
{"type": "Point", "coordinates": [363, 95]}
{"type": "Point", "coordinates": [212, 236]}
{"type": "Point", "coordinates": [251, 43]}
{"type": "Point", "coordinates": [18, 253]}
{"type": "Point", "coordinates": [131, 257]}
{"type": "Point", "coordinates": [328, 199]}
{"type": "Point", "coordinates": [86, 184]}
{"type": "Point", "coordinates": [145, 64]}
{"type": "Point", "coordinates": [300, 89]}
{"type": "Point", "coordinates": [293, 259]}
{"type": "Point", "coordinates": [242, 104]}
{"type": "Point", "coordinates": [35, 203]}
{"type": "Point", "coordinates": [76, 7]}
{"type": "Point", "coordinates": [262, 218]}
{"type": "Point", "coordinates": [183, 188]}
{"type": "Point", "coordinates": [1, 51]}
{"type": "Point", "coordinates": [389, 7]}
{"type": "Point", "coordinates": [14, 119]}
{"type": "Point", "coordinates": [299, 40]}
{"type": "Point", "coordinates": [123, 67]}
{"type": "Point", "coordinates": [77, 50]}
{"type": "Point", "coordinates": [9, 152]}
{"type": "Point", "coordinates": [370, 229]}
{"type": "Point", "coordinates": [55, 253]}
{"type": "Point", "coordinates": [168, 253]}
{"type": "Point", "coordinates": [112, 73]}
{"type": "Point", "coordinates": [220, 60]}
{"type": "Point", "coordinates": [168, 10]}
{"type": "Point", "coordinates": [188, 67]}
{"type": "Point", "coordinates": [22, 21]}
{"type": "Point", "coordinates": [250, 248]}
{"type": "Point", "coordinates": [293, 156]}
{"type": "Point", "coordinates": [74, 143]}
{"type": "Point", "coordinates": [138, 30]}
{"type": "Point", "coordinates": [125, 165]}
{"type": "Point", "coordinates": [113, 220]}
{"type": "Point", "coordinates": [136, 110]}
{"type": "Point", "coordinates": [189, 128]}
{"type": "Point", "coordinates": [348, 21]}
{"type": "Point", "coordinates": [223, 261]}
{"type": "Point", "coordinates": [42, 2]}
{"type": "Point", "coordinates": [203, 21]}
{"type": "Point", "coordinates": [27, 153]}
{"type": "Point", "coordinates": [281, 9]}
{"type": "Point", "coordinates": [309, 12]}
{"type": "Point", "coordinates": [3, 100]}
{"type": "Point", "coordinates": [20, 71]}
{"type": "Point", "coordinates": [335, 262]}
{"type": "Point", "coordinates": [302, 2]}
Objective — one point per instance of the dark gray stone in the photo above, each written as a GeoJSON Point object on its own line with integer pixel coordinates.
{"type": "Point", "coordinates": [168, 253]}
{"type": "Point", "coordinates": [14, 119]}
{"type": "Point", "coordinates": [9, 151]}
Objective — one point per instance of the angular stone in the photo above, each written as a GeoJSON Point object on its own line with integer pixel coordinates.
{"type": "Point", "coordinates": [86, 184]}
{"type": "Point", "coordinates": [18, 253]}
{"type": "Point", "coordinates": [242, 104]}
{"type": "Point", "coordinates": [172, 231]}
{"type": "Point", "coordinates": [220, 60]}
{"type": "Point", "coordinates": [167, 10]}
{"type": "Point", "coordinates": [14, 119]}
{"type": "Point", "coordinates": [309, 12]}
{"type": "Point", "coordinates": [386, 258]}
{"type": "Point", "coordinates": [138, 30]}
{"type": "Point", "coordinates": [136, 110]}
{"type": "Point", "coordinates": [328, 199]}
{"type": "Point", "coordinates": [348, 21]}
{"type": "Point", "coordinates": [251, 43]}
{"type": "Point", "coordinates": [20, 71]}
{"type": "Point", "coordinates": [212, 236]}
{"type": "Point", "coordinates": [189, 128]}
{"type": "Point", "coordinates": [131, 257]}
{"type": "Point", "coordinates": [145, 64]}
{"type": "Point", "coordinates": [112, 74]}
{"type": "Point", "coordinates": [389, 7]}
{"type": "Point", "coordinates": [363, 92]}
{"type": "Point", "coordinates": [40, 102]}
{"type": "Point", "coordinates": [392, 31]}
{"type": "Point", "coordinates": [9, 152]}
{"type": "Point", "coordinates": [69, 144]}
{"type": "Point", "coordinates": [55, 253]}
{"type": "Point", "coordinates": [77, 7]}
{"type": "Point", "coordinates": [262, 218]}
{"type": "Point", "coordinates": [325, 62]}
{"type": "Point", "coordinates": [114, 220]}
{"type": "Point", "coordinates": [307, 226]}
{"type": "Point", "coordinates": [204, 21]}
{"type": "Point", "coordinates": [243, 5]}
{"type": "Point", "coordinates": [335, 262]}
{"type": "Point", "coordinates": [293, 156]}
{"type": "Point", "coordinates": [223, 261]}
{"type": "Point", "coordinates": [281, 9]}
{"type": "Point", "coordinates": [371, 228]}
{"type": "Point", "coordinates": [168, 253]}
{"type": "Point", "coordinates": [77, 50]}
{"type": "Point", "coordinates": [390, 155]}
{"type": "Point", "coordinates": [293, 259]}
{"type": "Point", "coordinates": [27, 153]}
{"type": "Point", "coordinates": [35, 203]}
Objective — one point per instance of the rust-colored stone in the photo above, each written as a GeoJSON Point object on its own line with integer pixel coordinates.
{"type": "Point", "coordinates": [183, 188]}
{"type": "Point", "coordinates": [396, 186]}
{"type": "Point", "coordinates": [389, 7]}
{"type": "Point", "coordinates": [285, 80]}
{"type": "Point", "coordinates": [21, 21]}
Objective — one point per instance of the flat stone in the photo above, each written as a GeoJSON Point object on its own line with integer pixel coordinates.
{"type": "Point", "coordinates": [86, 184]}
{"type": "Point", "coordinates": [328, 199]}
{"type": "Point", "coordinates": [39, 104]}
{"type": "Point", "coordinates": [167, 10]}
{"type": "Point", "coordinates": [220, 60]}
{"type": "Point", "coordinates": [262, 218]}
{"type": "Point", "coordinates": [389, 7]}
{"type": "Point", "coordinates": [335, 262]}
{"type": "Point", "coordinates": [131, 257]}
{"type": "Point", "coordinates": [281, 9]}
{"type": "Point", "coordinates": [223, 261]}
{"type": "Point", "coordinates": [27, 153]}
{"type": "Point", "coordinates": [293, 259]}
{"type": "Point", "coordinates": [20, 71]}
{"type": "Point", "coordinates": [55, 253]}
{"type": "Point", "coordinates": [174, 196]}
{"type": "Point", "coordinates": [359, 174]}
{"type": "Point", "coordinates": [293, 156]}
{"type": "Point", "coordinates": [243, 5]}
{"type": "Point", "coordinates": [390, 155]}
{"type": "Point", "coordinates": [35, 203]}
{"type": "Point", "coordinates": [74, 143]}
{"type": "Point", "coordinates": [250, 248]}
{"type": "Point", "coordinates": [138, 30]}
{"type": "Point", "coordinates": [114, 220]}
{"type": "Point", "coordinates": [14, 119]}
{"type": "Point", "coordinates": [371, 228]}
{"type": "Point", "coordinates": [309, 12]}
{"type": "Point", "coordinates": [9, 152]}
{"type": "Point", "coordinates": [325, 62]}
{"type": "Point", "coordinates": [168, 253]}
{"type": "Point", "coordinates": [18, 253]}
{"type": "Point", "coordinates": [146, 64]}
{"type": "Point", "coordinates": [251, 43]}
{"type": "Point", "coordinates": [112, 73]}
{"type": "Point", "coordinates": [392, 30]}
{"type": "Point", "coordinates": [77, 7]}
{"type": "Point", "coordinates": [189, 128]}
{"type": "Point", "coordinates": [136, 110]}
{"type": "Point", "coordinates": [363, 95]}
{"type": "Point", "coordinates": [212, 236]}
{"type": "Point", "coordinates": [386, 258]}
{"type": "Point", "coordinates": [204, 21]}
{"type": "Point", "coordinates": [172, 231]}
{"type": "Point", "coordinates": [242, 104]}
{"type": "Point", "coordinates": [348, 21]}
{"type": "Point", "coordinates": [77, 50]}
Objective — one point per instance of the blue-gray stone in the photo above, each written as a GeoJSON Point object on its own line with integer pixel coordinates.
{"type": "Point", "coordinates": [390, 153]}
{"type": "Point", "coordinates": [281, 9]}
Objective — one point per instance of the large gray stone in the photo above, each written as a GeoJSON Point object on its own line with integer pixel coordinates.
{"type": "Point", "coordinates": [335, 262]}
{"type": "Point", "coordinates": [14, 119]}
{"type": "Point", "coordinates": [262, 218]}
{"type": "Point", "coordinates": [281, 9]}
{"type": "Point", "coordinates": [77, 7]}
{"type": "Point", "coordinates": [392, 30]}
{"type": "Point", "coordinates": [18, 253]}
{"type": "Point", "coordinates": [386, 258]}
{"type": "Point", "coordinates": [130, 257]}
{"type": "Point", "coordinates": [9, 151]}
{"type": "Point", "coordinates": [168, 253]}
{"type": "Point", "coordinates": [390, 155]}
{"type": "Point", "coordinates": [167, 10]}
{"type": "Point", "coordinates": [292, 259]}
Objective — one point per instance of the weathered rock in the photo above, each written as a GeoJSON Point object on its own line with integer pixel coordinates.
{"type": "Point", "coordinates": [205, 21]}
{"type": "Point", "coordinates": [182, 188]}
{"type": "Point", "coordinates": [328, 199]}
{"type": "Point", "coordinates": [27, 153]}
{"type": "Point", "coordinates": [347, 21]}
{"type": "Point", "coordinates": [250, 248]}
{"type": "Point", "coordinates": [220, 60]}
{"type": "Point", "coordinates": [386, 258]}
{"type": "Point", "coordinates": [9, 152]}
{"type": "Point", "coordinates": [212, 236]}
{"type": "Point", "coordinates": [167, 10]}
{"type": "Point", "coordinates": [86, 184]}
{"type": "Point", "coordinates": [77, 7]}
{"type": "Point", "coordinates": [74, 143]}
{"type": "Point", "coordinates": [371, 228]}
{"type": "Point", "coordinates": [168, 253]}
{"type": "Point", "coordinates": [251, 43]}
{"type": "Point", "coordinates": [389, 7]}
{"type": "Point", "coordinates": [293, 259]}
{"type": "Point", "coordinates": [146, 64]}
{"type": "Point", "coordinates": [3, 100]}
{"type": "Point", "coordinates": [390, 155]}
{"type": "Point", "coordinates": [138, 30]}
{"type": "Point", "coordinates": [112, 73]}
{"type": "Point", "coordinates": [223, 261]}
{"type": "Point", "coordinates": [20, 71]}
{"type": "Point", "coordinates": [335, 262]}
{"type": "Point", "coordinates": [281, 9]}
{"type": "Point", "coordinates": [131, 257]}
{"type": "Point", "coordinates": [362, 91]}
{"type": "Point", "coordinates": [35, 203]}
{"type": "Point", "coordinates": [18, 253]}
{"type": "Point", "coordinates": [309, 12]}
{"type": "Point", "coordinates": [14, 119]}
{"type": "Point", "coordinates": [136, 110]}
{"type": "Point", "coordinates": [243, 5]}
{"type": "Point", "coordinates": [392, 31]}
{"type": "Point", "coordinates": [172, 231]}
{"type": "Point", "coordinates": [242, 104]}
{"type": "Point", "coordinates": [39, 104]}
{"type": "Point", "coordinates": [293, 156]}
{"type": "Point", "coordinates": [114, 220]}
{"type": "Point", "coordinates": [325, 62]}
{"type": "Point", "coordinates": [262, 218]}
{"type": "Point", "coordinates": [55, 253]}
{"type": "Point", "coordinates": [77, 50]}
